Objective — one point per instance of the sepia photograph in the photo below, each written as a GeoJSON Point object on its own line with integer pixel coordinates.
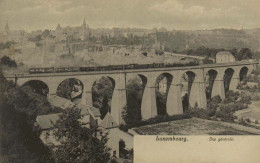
{"type": "Point", "coordinates": [80, 80]}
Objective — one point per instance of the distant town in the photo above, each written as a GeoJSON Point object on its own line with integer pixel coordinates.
{"type": "Point", "coordinates": [86, 46]}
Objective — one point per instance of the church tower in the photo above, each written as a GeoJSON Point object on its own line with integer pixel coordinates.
{"type": "Point", "coordinates": [84, 25]}
{"type": "Point", "coordinates": [7, 27]}
{"type": "Point", "coordinates": [85, 32]}
{"type": "Point", "coordinates": [58, 28]}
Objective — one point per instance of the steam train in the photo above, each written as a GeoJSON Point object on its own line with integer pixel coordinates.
{"type": "Point", "coordinates": [111, 67]}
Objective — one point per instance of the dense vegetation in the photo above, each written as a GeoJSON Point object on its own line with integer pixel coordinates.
{"type": "Point", "coordinates": [244, 53]}
{"type": "Point", "coordinates": [132, 112]}
{"type": "Point", "coordinates": [216, 108]}
{"type": "Point", "coordinates": [19, 139]}
{"type": "Point", "coordinates": [222, 110]}
{"type": "Point", "coordinates": [6, 61]}
{"type": "Point", "coordinates": [78, 144]}
{"type": "Point", "coordinates": [6, 45]}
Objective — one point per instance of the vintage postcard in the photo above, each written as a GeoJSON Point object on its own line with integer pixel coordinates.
{"type": "Point", "coordinates": [126, 81]}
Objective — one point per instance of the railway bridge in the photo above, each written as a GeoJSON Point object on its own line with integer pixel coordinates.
{"type": "Point", "coordinates": [198, 76]}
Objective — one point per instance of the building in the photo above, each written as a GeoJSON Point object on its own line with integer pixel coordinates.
{"type": "Point", "coordinates": [224, 57]}
{"type": "Point", "coordinates": [13, 35]}
{"type": "Point", "coordinates": [162, 86]}
{"type": "Point", "coordinates": [91, 118]}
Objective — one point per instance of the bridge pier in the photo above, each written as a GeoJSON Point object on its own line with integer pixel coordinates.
{"type": "Point", "coordinates": [87, 93]}
{"type": "Point", "coordinates": [148, 107]}
{"type": "Point", "coordinates": [197, 92]}
{"type": "Point", "coordinates": [174, 101]}
{"type": "Point", "coordinates": [218, 86]}
{"type": "Point", "coordinates": [53, 86]}
{"type": "Point", "coordinates": [118, 99]}
{"type": "Point", "coordinates": [235, 80]}
{"type": "Point", "coordinates": [87, 98]}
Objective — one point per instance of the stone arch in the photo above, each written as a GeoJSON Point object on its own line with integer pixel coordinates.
{"type": "Point", "coordinates": [243, 73]}
{"type": "Point", "coordinates": [210, 78]}
{"type": "Point", "coordinates": [135, 85]}
{"type": "Point", "coordinates": [38, 86]}
{"type": "Point", "coordinates": [144, 79]}
{"type": "Point", "coordinates": [228, 74]}
{"type": "Point", "coordinates": [163, 83]}
{"type": "Point", "coordinates": [70, 88]}
{"type": "Point", "coordinates": [102, 93]}
{"type": "Point", "coordinates": [187, 80]}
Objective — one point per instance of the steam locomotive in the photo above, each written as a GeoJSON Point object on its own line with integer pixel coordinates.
{"type": "Point", "coordinates": [110, 67]}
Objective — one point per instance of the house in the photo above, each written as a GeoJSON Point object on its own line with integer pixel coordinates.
{"type": "Point", "coordinates": [224, 57]}
{"type": "Point", "coordinates": [45, 123]}
{"type": "Point", "coordinates": [108, 121]}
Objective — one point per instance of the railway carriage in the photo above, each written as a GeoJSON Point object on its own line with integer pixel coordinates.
{"type": "Point", "coordinates": [112, 67]}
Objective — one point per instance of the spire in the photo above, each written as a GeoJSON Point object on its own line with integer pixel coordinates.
{"type": "Point", "coordinates": [84, 24]}
{"type": "Point", "coordinates": [58, 27]}
{"type": "Point", "coordinates": [6, 27]}
{"type": "Point", "coordinates": [84, 21]}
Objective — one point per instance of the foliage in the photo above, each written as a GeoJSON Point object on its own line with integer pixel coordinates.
{"type": "Point", "coordinates": [123, 152]}
{"type": "Point", "coordinates": [244, 53]}
{"type": "Point", "coordinates": [161, 103]}
{"type": "Point", "coordinates": [105, 107]}
{"type": "Point", "coordinates": [132, 112]}
{"type": "Point", "coordinates": [223, 110]}
{"type": "Point", "coordinates": [78, 143]}
{"type": "Point", "coordinates": [19, 138]}
{"type": "Point", "coordinates": [256, 55]}
{"type": "Point", "coordinates": [5, 60]}
{"type": "Point", "coordinates": [6, 45]}
{"type": "Point", "coordinates": [35, 39]}
{"type": "Point", "coordinates": [102, 92]}
{"type": "Point", "coordinates": [24, 99]}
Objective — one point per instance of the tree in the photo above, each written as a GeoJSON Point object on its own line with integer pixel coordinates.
{"type": "Point", "coordinates": [5, 60]}
{"type": "Point", "coordinates": [244, 53]}
{"type": "Point", "coordinates": [78, 144]}
{"type": "Point", "coordinates": [132, 112]}
{"type": "Point", "coordinates": [161, 103]}
{"type": "Point", "coordinates": [105, 107]}
{"type": "Point", "coordinates": [19, 141]}
{"type": "Point", "coordinates": [46, 33]}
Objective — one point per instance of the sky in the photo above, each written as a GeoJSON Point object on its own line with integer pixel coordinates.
{"type": "Point", "coordinates": [171, 14]}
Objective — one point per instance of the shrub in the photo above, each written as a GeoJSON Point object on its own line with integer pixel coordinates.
{"type": "Point", "coordinates": [224, 110]}
{"type": "Point", "coordinates": [123, 128]}
{"type": "Point", "coordinates": [5, 60]}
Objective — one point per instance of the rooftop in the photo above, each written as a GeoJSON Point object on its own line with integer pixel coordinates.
{"type": "Point", "coordinates": [95, 111]}
{"type": "Point", "coordinates": [60, 102]}
{"type": "Point", "coordinates": [224, 53]}
{"type": "Point", "coordinates": [45, 121]}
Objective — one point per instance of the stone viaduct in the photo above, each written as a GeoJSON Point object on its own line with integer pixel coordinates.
{"type": "Point", "coordinates": [197, 85]}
